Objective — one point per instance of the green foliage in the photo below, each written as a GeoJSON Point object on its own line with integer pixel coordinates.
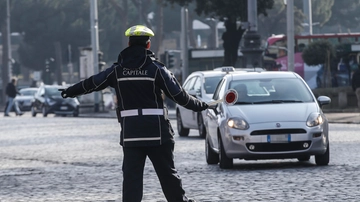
{"type": "Point", "coordinates": [321, 10]}
{"type": "Point", "coordinates": [275, 21]}
{"type": "Point", "coordinates": [318, 52]}
{"type": "Point", "coordinates": [225, 9]}
{"type": "Point", "coordinates": [345, 13]}
{"type": "Point", "coordinates": [230, 12]}
{"type": "Point", "coordinates": [49, 22]}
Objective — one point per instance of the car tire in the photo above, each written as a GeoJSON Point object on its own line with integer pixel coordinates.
{"type": "Point", "coordinates": [201, 126]}
{"type": "Point", "coordinates": [211, 156]}
{"type": "Point", "coordinates": [76, 113]}
{"type": "Point", "coordinates": [304, 158]}
{"type": "Point", "coordinates": [225, 162]}
{"type": "Point", "coordinates": [33, 112]}
{"type": "Point", "coordinates": [43, 110]}
{"type": "Point", "coordinates": [183, 132]}
{"type": "Point", "coordinates": [323, 159]}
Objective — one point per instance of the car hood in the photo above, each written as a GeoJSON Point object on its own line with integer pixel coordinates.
{"type": "Point", "coordinates": [261, 113]}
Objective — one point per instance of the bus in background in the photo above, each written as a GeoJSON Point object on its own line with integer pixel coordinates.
{"type": "Point", "coordinates": [276, 55]}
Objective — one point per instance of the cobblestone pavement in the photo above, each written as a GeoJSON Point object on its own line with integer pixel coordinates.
{"type": "Point", "coordinates": [79, 159]}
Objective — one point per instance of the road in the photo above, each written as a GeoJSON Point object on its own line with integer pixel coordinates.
{"type": "Point", "coordinates": [79, 159]}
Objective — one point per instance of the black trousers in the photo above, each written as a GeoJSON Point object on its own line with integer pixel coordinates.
{"type": "Point", "coordinates": [162, 159]}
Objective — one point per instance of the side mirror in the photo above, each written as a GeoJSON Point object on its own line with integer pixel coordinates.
{"type": "Point", "coordinates": [192, 93]}
{"type": "Point", "coordinates": [229, 98]}
{"type": "Point", "coordinates": [323, 100]}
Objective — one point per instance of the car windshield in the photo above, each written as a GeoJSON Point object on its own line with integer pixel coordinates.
{"type": "Point", "coordinates": [28, 92]}
{"type": "Point", "coordinates": [278, 90]}
{"type": "Point", "coordinates": [51, 91]}
{"type": "Point", "coordinates": [211, 83]}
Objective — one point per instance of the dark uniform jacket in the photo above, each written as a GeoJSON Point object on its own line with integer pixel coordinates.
{"type": "Point", "coordinates": [139, 80]}
{"type": "Point", "coordinates": [355, 83]}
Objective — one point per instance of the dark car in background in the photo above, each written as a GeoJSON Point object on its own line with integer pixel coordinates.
{"type": "Point", "coordinates": [48, 100]}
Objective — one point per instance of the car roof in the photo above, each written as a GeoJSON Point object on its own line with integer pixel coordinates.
{"type": "Point", "coordinates": [263, 75]}
{"type": "Point", "coordinates": [208, 73]}
{"type": "Point", "coordinates": [225, 70]}
{"type": "Point", "coordinates": [53, 86]}
{"type": "Point", "coordinates": [29, 88]}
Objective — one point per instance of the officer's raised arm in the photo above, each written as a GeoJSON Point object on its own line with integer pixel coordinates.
{"type": "Point", "coordinates": [94, 83]}
{"type": "Point", "coordinates": [175, 92]}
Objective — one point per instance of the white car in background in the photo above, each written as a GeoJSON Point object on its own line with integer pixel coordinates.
{"type": "Point", "coordinates": [25, 98]}
{"type": "Point", "coordinates": [200, 84]}
{"type": "Point", "coordinates": [275, 116]}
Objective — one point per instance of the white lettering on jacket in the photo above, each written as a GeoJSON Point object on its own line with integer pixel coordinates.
{"type": "Point", "coordinates": [134, 72]}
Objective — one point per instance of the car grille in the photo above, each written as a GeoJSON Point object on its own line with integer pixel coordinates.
{"type": "Point", "coordinates": [278, 147]}
{"type": "Point", "coordinates": [278, 131]}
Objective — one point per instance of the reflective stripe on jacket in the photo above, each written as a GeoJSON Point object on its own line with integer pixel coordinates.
{"type": "Point", "coordinates": [139, 81]}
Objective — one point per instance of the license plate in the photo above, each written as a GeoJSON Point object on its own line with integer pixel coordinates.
{"type": "Point", "coordinates": [63, 108]}
{"type": "Point", "coordinates": [279, 138]}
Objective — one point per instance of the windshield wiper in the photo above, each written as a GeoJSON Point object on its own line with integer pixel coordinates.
{"type": "Point", "coordinates": [240, 103]}
{"type": "Point", "coordinates": [278, 101]}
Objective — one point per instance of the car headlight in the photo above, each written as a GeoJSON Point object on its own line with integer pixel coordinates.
{"type": "Point", "coordinates": [238, 123]}
{"type": "Point", "coordinates": [50, 101]}
{"type": "Point", "coordinates": [314, 119]}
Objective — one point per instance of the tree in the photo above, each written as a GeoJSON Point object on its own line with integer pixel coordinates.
{"type": "Point", "coordinates": [275, 21]}
{"type": "Point", "coordinates": [344, 14]}
{"type": "Point", "coordinates": [48, 23]}
{"type": "Point", "coordinates": [139, 14]}
{"type": "Point", "coordinates": [320, 53]}
{"type": "Point", "coordinates": [321, 11]}
{"type": "Point", "coordinates": [230, 12]}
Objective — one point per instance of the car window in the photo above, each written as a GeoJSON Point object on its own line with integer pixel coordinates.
{"type": "Point", "coordinates": [197, 85]}
{"type": "Point", "coordinates": [217, 95]}
{"type": "Point", "coordinates": [189, 84]}
{"type": "Point", "coordinates": [211, 83]}
{"type": "Point", "coordinates": [41, 91]}
{"type": "Point", "coordinates": [263, 90]}
{"type": "Point", "coordinates": [27, 92]}
{"type": "Point", "coordinates": [51, 91]}
{"type": "Point", "coordinates": [252, 86]}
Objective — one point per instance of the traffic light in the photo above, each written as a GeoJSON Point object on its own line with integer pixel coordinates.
{"type": "Point", "coordinates": [171, 60]}
{"type": "Point", "coordinates": [16, 68]}
{"type": "Point", "coordinates": [100, 60]}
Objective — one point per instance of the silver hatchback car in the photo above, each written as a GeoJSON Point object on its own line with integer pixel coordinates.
{"type": "Point", "coordinates": [275, 116]}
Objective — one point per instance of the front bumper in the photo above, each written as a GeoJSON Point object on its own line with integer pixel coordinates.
{"type": "Point", "coordinates": [62, 109]}
{"type": "Point", "coordinates": [259, 143]}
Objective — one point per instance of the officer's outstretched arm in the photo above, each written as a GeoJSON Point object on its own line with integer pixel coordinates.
{"type": "Point", "coordinates": [172, 89]}
{"type": "Point", "coordinates": [94, 83]}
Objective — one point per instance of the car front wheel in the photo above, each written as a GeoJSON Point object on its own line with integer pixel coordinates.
{"type": "Point", "coordinates": [33, 112]}
{"type": "Point", "coordinates": [183, 132]}
{"type": "Point", "coordinates": [323, 159]}
{"type": "Point", "coordinates": [44, 113]}
{"type": "Point", "coordinates": [76, 113]}
{"type": "Point", "coordinates": [225, 162]}
{"type": "Point", "coordinates": [201, 126]}
{"type": "Point", "coordinates": [211, 156]}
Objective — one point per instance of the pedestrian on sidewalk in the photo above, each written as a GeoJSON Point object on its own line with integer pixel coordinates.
{"type": "Point", "coordinates": [355, 82]}
{"type": "Point", "coordinates": [11, 93]}
{"type": "Point", "coordinates": [140, 80]}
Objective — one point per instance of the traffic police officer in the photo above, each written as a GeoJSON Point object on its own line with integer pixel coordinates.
{"type": "Point", "coordinates": [139, 81]}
